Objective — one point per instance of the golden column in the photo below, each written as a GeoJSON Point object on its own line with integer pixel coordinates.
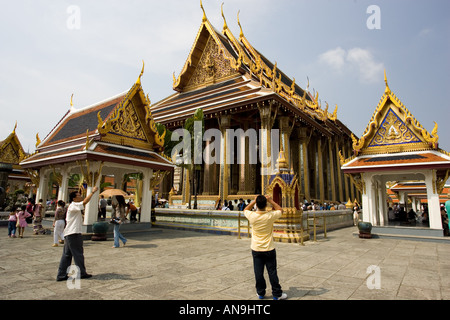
{"type": "Point", "coordinates": [224, 176]}
{"type": "Point", "coordinates": [268, 113]}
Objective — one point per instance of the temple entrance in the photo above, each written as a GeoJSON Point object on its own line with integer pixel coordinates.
{"type": "Point", "coordinates": [277, 195]}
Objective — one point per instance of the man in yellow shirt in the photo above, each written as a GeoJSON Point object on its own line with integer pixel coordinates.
{"type": "Point", "coordinates": [262, 245]}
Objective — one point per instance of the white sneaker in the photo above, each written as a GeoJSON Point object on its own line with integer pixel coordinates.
{"type": "Point", "coordinates": [283, 297]}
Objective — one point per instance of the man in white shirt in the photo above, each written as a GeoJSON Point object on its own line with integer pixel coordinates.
{"type": "Point", "coordinates": [73, 239]}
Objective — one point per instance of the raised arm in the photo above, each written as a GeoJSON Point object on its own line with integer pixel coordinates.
{"type": "Point", "coordinates": [89, 196]}
{"type": "Point", "coordinates": [275, 205]}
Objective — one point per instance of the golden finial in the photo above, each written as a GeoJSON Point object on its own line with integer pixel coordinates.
{"type": "Point", "coordinates": [225, 27]}
{"type": "Point", "coordinates": [38, 141]}
{"type": "Point", "coordinates": [204, 14]}
{"type": "Point", "coordinates": [71, 101]}
{"type": "Point", "coordinates": [15, 127]}
{"type": "Point", "coordinates": [138, 81]}
{"type": "Point", "coordinates": [241, 34]}
{"type": "Point", "coordinates": [385, 81]}
{"type": "Point", "coordinates": [87, 138]}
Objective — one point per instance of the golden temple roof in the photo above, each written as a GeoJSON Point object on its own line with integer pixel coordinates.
{"type": "Point", "coordinates": [220, 56]}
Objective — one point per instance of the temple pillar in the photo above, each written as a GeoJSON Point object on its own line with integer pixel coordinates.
{"type": "Point", "coordinates": [224, 176]}
{"type": "Point", "coordinates": [41, 192]}
{"type": "Point", "coordinates": [146, 204]}
{"type": "Point", "coordinates": [320, 171]}
{"type": "Point", "coordinates": [339, 173]}
{"type": "Point", "coordinates": [304, 167]}
{"type": "Point", "coordinates": [332, 159]}
{"type": "Point", "coordinates": [285, 133]}
{"type": "Point", "coordinates": [246, 170]}
{"type": "Point", "coordinates": [63, 188]}
{"type": "Point", "coordinates": [91, 209]}
{"type": "Point", "coordinates": [434, 211]}
{"type": "Point", "coordinates": [268, 159]}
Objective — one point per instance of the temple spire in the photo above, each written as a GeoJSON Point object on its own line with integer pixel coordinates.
{"type": "Point", "coordinates": [386, 82]}
{"type": "Point", "coordinates": [225, 26]}
{"type": "Point", "coordinates": [138, 81]}
{"type": "Point", "coordinates": [204, 14]}
{"type": "Point", "coordinates": [241, 34]}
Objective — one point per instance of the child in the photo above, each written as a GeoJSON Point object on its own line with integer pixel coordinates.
{"type": "Point", "coordinates": [59, 224]}
{"type": "Point", "coordinates": [21, 217]}
{"type": "Point", "coordinates": [12, 221]}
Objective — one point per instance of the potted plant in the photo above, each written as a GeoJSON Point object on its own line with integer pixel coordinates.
{"type": "Point", "coordinates": [100, 228]}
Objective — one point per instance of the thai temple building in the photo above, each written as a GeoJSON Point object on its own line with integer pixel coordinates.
{"type": "Point", "coordinates": [238, 88]}
{"type": "Point", "coordinates": [113, 137]}
{"type": "Point", "coordinates": [396, 150]}
{"type": "Point", "coordinates": [12, 176]}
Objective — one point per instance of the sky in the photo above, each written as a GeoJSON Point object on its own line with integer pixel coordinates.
{"type": "Point", "coordinates": [51, 49]}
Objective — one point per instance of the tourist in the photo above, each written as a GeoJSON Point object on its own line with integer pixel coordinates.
{"type": "Point", "coordinates": [391, 215]}
{"type": "Point", "coordinates": [102, 208]}
{"type": "Point", "coordinates": [447, 207]}
{"type": "Point", "coordinates": [29, 209]}
{"type": "Point", "coordinates": [225, 206]}
{"type": "Point", "coordinates": [219, 204]}
{"type": "Point", "coordinates": [241, 205]}
{"type": "Point", "coordinates": [119, 215]}
{"type": "Point", "coordinates": [262, 244]}
{"type": "Point", "coordinates": [12, 222]}
{"type": "Point", "coordinates": [445, 221]}
{"type": "Point", "coordinates": [73, 239]}
{"type": "Point", "coordinates": [59, 224]}
{"type": "Point", "coordinates": [22, 215]}
{"type": "Point", "coordinates": [132, 210]}
{"type": "Point", "coordinates": [38, 211]}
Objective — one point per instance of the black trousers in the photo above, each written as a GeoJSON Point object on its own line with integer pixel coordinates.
{"type": "Point", "coordinates": [266, 259]}
{"type": "Point", "coordinates": [73, 248]}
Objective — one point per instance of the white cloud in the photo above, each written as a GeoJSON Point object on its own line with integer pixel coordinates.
{"type": "Point", "coordinates": [353, 60]}
{"type": "Point", "coordinates": [334, 58]}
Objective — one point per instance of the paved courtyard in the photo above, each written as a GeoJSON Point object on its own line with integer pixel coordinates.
{"type": "Point", "coordinates": [165, 264]}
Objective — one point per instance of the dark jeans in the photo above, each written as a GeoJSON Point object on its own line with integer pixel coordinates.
{"type": "Point", "coordinates": [269, 260]}
{"type": "Point", "coordinates": [73, 247]}
{"type": "Point", "coordinates": [102, 213]}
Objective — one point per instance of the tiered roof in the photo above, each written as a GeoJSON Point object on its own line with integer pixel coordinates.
{"type": "Point", "coordinates": [120, 129]}
{"type": "Point", "coordinates": [394, 140]}
{"type": "Point", "coordinates": [224, 72]}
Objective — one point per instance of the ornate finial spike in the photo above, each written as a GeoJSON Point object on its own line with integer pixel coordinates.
{"type": "Point", "coordinates": [15, 127]}
{"type": "Point", "coordinates": [225, 27]}
{"type": "Point", "coordinates": [385, 81]}
{"type": "Point", "coordinates": [71, 101]}
{"type": "Point", "coordinates": [38, 141]}
{"type": "Point", "coordinates": [138, 81]}
{"type": "Point", "coordinates": [241, 34]}
{"type": "Point", "coordinates": [204, 14]}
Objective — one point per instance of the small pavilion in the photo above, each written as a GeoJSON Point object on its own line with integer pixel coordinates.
{"type": "Point", "coordinates": [12, 176]}
{"type": "Point", "coordinates": [116, 136]}
{"type": "Point", "coordinates": [396, 148]}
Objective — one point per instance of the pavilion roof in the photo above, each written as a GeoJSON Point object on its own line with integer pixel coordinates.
{"type": "Point", "coordinates": [119, 129]}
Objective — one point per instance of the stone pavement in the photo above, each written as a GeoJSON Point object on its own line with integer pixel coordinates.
{"type": "Point", "coordinates": [165, 264]}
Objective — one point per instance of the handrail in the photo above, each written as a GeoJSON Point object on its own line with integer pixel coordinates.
{"type": "Point", "coordinates": [239, 226]}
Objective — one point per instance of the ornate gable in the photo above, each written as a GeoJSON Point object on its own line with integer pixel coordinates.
{"type": "Point", "coordinates": [394, 129]}
{"type": "Point", "coordinates": [211, 59]}
{"type": "Point", "coordinates": [11, 150]}
{"type": "Point", "coordinates": [131, 122]}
